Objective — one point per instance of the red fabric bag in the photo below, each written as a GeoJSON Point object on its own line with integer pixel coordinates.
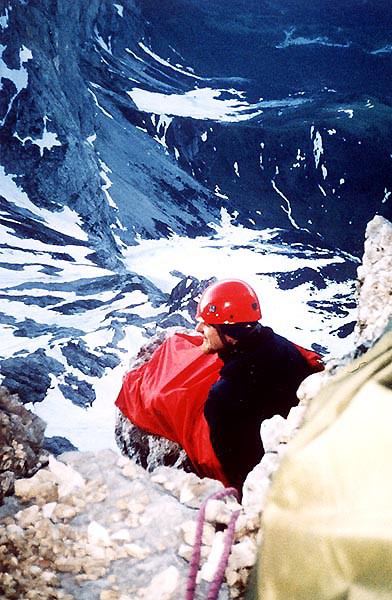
{"type": "Point", "coordinates": [166, 397]}
{"type": "Point", "coordinates": [313, 359]}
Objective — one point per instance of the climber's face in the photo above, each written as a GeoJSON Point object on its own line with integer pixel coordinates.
{"type": "Point", "coordinates": [212, 342]}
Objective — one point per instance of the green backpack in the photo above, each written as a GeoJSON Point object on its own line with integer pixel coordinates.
{"type": "Point", "coordinates": [327, 524]}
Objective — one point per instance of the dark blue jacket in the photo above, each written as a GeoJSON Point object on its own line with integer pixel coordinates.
{"type": "Point", "coordinates": [259, 379]}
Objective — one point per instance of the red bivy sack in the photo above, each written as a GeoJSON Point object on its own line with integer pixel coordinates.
{"type": "Point", "coordinates": [166, 397]}
{"type": "Point", "coordinates": [167, 394]}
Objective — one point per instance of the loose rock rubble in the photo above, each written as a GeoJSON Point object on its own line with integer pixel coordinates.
{"type": "Point", "coordinates": [98, 526]}
{"type": "Point", "coordinates": [21, 438]}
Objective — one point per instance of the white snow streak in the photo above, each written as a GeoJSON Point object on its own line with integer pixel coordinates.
{"type": "Point", "coordinates": [288, 209]}
{"type": "Point", "coordinates": [108, 184]}
{"type": "Point", "coordinates": [120, 9]}
{"type": "Point", "coordinates": [165, 63]}
{"type": "Point", "coordinates": [386, 195]}
{"type": "Point", "coordinates": [291, 40]}
{"type": "Point", "coordinates": [162, 126]}
{"type": "Point", "coordinates": [105, 45]}
{"type": "Point", "coordinates": [105, 112]}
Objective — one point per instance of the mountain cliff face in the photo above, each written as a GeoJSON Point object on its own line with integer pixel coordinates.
{"type": "Point", "coordinates": [147, 118]}
{"type": "Point", "coordinates": [122, 122]}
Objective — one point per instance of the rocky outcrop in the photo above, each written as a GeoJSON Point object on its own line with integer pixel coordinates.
{"type": "Point", "coordinates": [21, 439]}
{"type": "Point", "coordinates": [374, 284]}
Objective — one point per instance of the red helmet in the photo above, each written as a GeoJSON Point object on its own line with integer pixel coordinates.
{"type": "Point", "coordinates": [228, 301]}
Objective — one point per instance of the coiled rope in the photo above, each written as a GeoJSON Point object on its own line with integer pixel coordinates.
{"type": "Point", "coordinates": [195, 559]}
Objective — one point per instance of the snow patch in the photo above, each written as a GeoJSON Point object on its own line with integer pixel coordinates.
{"type": "Point", "coordinates": [65, 221]}
{"type": "Point", "coordinates": [120, 9]}
{"type": "Point", "coordinates": [318, 149]}
{"type": "Point", "coordinates": [387, 193]}
{"type": "Point", "coordinates": [19, 77]}
{"type": "Point", "coordinates": [347, 111]}
{"type": "Point", "coordinates": [4, 19]}
{"type": "Point", "coordinates": [291, 40]}
{"type": "Point", "coordinates": [162, 127]}
{"type": "Point", "coordinates": [204, 103]}
{"type": "Point", "coordinates": [91, 139]}
{"type": "Point", "coordinates": [104, 45]}
{"type": "Point", "coordinates": [217, 192]}
{"type": "Point", "coordinates": [48, 140]}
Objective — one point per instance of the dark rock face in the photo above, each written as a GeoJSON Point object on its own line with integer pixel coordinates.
{"type": "Point", "coordinates": [29, 376]}
{"type": "Point", "coordinates": [321, 139]}
{"type": "Point", "coordinates": [148, 450]}
{"type": "Point", "coordinates": [185, 295]}
{"type": "Point", "coordinates": [21, 439]}
{"type": "Point", "coordinates": [315, 156]}
{"type": "Point", "coordinates": [57, 444]}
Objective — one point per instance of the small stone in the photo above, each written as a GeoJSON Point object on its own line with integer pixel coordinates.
{"type": "Point", "coordinates": [47, 509]}
{"type": "Point", "coordinates": [132, 521]}
{"type": "Point", "coordinates": [35, 571]}
{"type": "Point", "coordinates": [122, 535]}
{"type": "Point", "coordinates": [209, 568]}
{"type": "Point", "coordinates": [109, 595]}
{"type": "Point", "coordinates": [69, 565]}
{"type": "Point", "coordinates": [136, 507]}
{"type": "Point", "coordinates": [98, 535]}
{"type": "Point", "coordinates": [14, 531]}
{"type": "Point", "coordinates": [40, 488]}
{"type": "Point", "coordinates": [67, 478]}
{"type": "Point", "coordinates": [96, 552]}
{"type": "Point", "coordinates": [243, 554]}
{"type": "Point", "coordinates": [135, 551]}
{"type": "Point", "coordinates": [166, 582]}
{"type": "Point", "coordinates": [188, 530]}
{"type": "Point", "coordinates": [49, 577]}
{"type": "Point", "coordinates": [28, 516]}
{"type": "Point", "coordinates": [185, 551]}
{"type": "Point", "coordinates": [159, 478]}
{"type": "Point", "coordinates": [64, 512]}
{"type": "Point", "coordinates": [129, 470]}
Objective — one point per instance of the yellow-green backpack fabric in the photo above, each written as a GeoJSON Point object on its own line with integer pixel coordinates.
{"type": "Point", "coordinates": [327, 524]}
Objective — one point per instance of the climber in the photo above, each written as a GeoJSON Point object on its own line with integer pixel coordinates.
{"type": "Point", "coordinates": [209, 393]}
{"type": "Point", "coordinates": [260, 375]}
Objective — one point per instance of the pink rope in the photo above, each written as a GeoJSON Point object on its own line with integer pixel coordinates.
{"type": "Point", "coordinates": [195, 559]}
